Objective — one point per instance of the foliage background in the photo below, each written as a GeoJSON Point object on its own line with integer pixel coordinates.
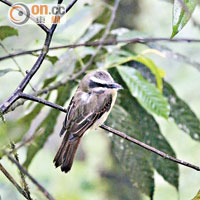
{"type": "Point", "coordinates": [91, 176]}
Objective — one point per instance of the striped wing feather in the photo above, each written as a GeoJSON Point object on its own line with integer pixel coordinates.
{"type": "Point", "coordinates": [80, 117]}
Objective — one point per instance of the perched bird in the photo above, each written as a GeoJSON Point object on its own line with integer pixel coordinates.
{"type": "Point", "coordinates": [89, 108]}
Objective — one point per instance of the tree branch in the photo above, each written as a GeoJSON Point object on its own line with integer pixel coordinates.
{"type": "Point", "coordinates": [12, 180]}
{"type": "Point", "coordinates": [27, 141]}
{"type": "Point", "coordinates": [74, 76]}
{"type": "Point", "coordinates": [105, 43]}
{"type": "Point", "coordinates": [15, 96]}
{"type": "Point", "coordinates": [99, 46]}
{"type": "Point", "coordinates": [16, 63]}
{"type": "Point", "coordinates": [71, 4]}
{"type": "Point", "coordinates": [23, 179]}
{"type": "Point", "coordinates": [40, 187]}
{"type": "Point", "coordinates": [120, 134]}
{"type": "Point", "coordinates": [18, 93]}
{"type": "Point", "coordinates": [42, 101]}
{"type": "Point", "coordinates": [39, 92]}
{"type": "Point", "coordinates": [149, 148]}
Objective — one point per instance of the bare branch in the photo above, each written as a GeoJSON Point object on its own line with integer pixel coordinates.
{"type": "Point", "coordinates": [149, 148]}
{"type": "Point", "coordinates": [123, 135]}
{"type": "Point", "coordinates": [40, 187]}
{"type": "Point", "coordinates": [19, 92]}
{"type": "Point", "coordinates": [105, 43]}
{"type": "Point", "coordinates": [38, 93]}
{"type": "Point", "coordinates": [74, 76]}
{"type": "Point", "coordinates": [16, 63]}
{"type": "Point", "coordinates": [24, 184]}
{"type": "Point", "coordinates": [68, 8]}
{"type": "Point", "coordinates": [174, 55]}
{"type": "Point", "coordinates": [12, 180]}
{"type": "Point", "coordinates": [28, 140]}
{"type": "Point", "coordinates": [42, 101]}
{"type": "Point", "coordinates": [99, 46]}
{"type": "Point", "coordinates": [15, 96]}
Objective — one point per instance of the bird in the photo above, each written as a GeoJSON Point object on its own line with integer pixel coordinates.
{"type": "Point", "coordinates": [88, 109]}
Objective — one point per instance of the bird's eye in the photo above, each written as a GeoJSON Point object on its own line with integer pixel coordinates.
{"type": "Point", "coordinates": [93, 84]}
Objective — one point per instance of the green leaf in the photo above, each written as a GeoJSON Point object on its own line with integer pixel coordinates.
{"type": "Point", "coordinates": [52, 59]}
{"type": "Point", "coordinates": [154, 69]}
{"type": "Point", "coordinates": [146, 93]}
{"type": "Point", "coordinates": [182, 114]}
{"type": "Point", "coordinates": [124, 189]}
{"type": "Point", "coordinates": [133, 159]}
{"type": "Point", "coordinates": [26, 121]}
{"type": "Point", "coordinates": [48, 81]}
{"type": "Point", "coordinates": [82, 14]}
{"type": "Point", "coordinates": [92, 30]}
{"type": "Point", "coordinates": [7, 31]}
{"type": "Point", "coordinates": [4, 138]}
{"type": "Point", "coordinates": [146, 129]}
{"type": "Point", "coordinates": [48, 123]}
{"type": "Point", "coordinates": [9, 131]}
{"type": "Point", "coordinates": [119, 57]}
{"type": "Point", "coordinates": [2, 117]}
{"type": "Point", "coordinates": [197, 197]}
{"type": "Point", "coordinates": [5, 71]}
{"type": "Point", "coordinates": [15, 131]}
{"type": "Point", "coordinates": [182, 12]}
{"type": "Point", "coordinates": [122, 33]}
{"type": "Point", "coordinates": [126, 34]}
{"type": "Point", "coordinates": [171, 54]}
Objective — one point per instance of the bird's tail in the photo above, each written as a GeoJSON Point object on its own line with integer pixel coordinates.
{"type": "Point", "coordinates": [66, 153]}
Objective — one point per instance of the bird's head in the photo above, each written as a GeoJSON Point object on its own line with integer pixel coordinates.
{"type": "Point", "coordinates": [98, 81]}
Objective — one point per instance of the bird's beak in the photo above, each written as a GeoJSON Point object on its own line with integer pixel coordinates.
{"type": "Point", "coordinates": [116, 86]}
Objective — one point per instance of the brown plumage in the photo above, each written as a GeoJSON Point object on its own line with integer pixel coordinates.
{"type": "Point", "coordinates": [93, 99]}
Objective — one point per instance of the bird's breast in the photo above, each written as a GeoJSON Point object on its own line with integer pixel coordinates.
{"type": "Point", "coordinates": [85, 97]}
{"type": "Point", "coordinates": [103, 118]}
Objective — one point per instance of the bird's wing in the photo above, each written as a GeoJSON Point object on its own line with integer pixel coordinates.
{"type": "Point", "coordinates": [81, 116]}
{"type": "Point", "coordinates": [64, 128]}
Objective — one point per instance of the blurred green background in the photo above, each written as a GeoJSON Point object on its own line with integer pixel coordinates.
{"type": "Point", "coordinates": [89, 178]}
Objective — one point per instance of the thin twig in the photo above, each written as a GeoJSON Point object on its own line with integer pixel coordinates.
{"type": "Point", "coordinates": [16, 63]}
{"type": "Point", "coordinates": [38, 93]}
{"type": "Point", "coordinates": [24, 184]}
{"type": "Point", "coordinates": [174, 55]}
{"type": "Point", "coordinates": [40, 187]}
{"type": "Point", "coordinates": [28, 140]}
{"type": "Point", "coordinates": [12, 180]}
{"type": "Point", "coordinates": [42, 101]}
{"type": "Point", "coordinates": [71, 4]}
{"type": "Point", "coordinates": [15, 96]}
{"type": "Point", "coordinates": [149, 148]}
{"type": "Point", "coordinates": [105, 43]}
{"type": "Point", "coordinates": [99, 46]}
{"type": "Point", "coordinates": [123, 135]}
{"type": "Point", "coordinates": [74, 76]}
